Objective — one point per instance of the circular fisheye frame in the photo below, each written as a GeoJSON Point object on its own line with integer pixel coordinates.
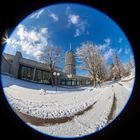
{"type": "Point", "coordinates": [67, 73]}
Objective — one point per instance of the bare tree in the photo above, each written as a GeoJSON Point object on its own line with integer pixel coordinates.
{"type": "Point", "coordinates": [131, 62]}
{"type": "Point", "coordinates": [118, 69]}
{"type": "Point", "coordinates": [92, 61]}
{"type": "Point", "coordinates": [110, 71]}
{"type": "Point", "coordinates": [129, 66]}
{"type": "Point", "coordinates": [114, 72]}
{"type": "Point", "coordinates": [101, 68]}
{"type": "Point", "coordinates": [52, 56]}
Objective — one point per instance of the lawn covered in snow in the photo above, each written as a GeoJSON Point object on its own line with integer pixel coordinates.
{"type": "Point", "coordinates": [88, 109]}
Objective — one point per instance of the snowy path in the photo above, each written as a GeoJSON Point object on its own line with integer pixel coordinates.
{"type": "Point", "coordinates": [88, 108]}
{"type": "Point", "coordinates": [92, 120]}
{"type": "Point", "coordinates": [33, 102]}
{"type": "Point", "coordinates": [122, 93]}
{"type": "Point", "coordinates": [50, 106]}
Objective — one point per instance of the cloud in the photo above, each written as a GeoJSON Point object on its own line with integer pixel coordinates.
{"type": "Point", "coordinates": [102, 47]}
{"type": "Point", "coordinates": [44, 30]}
{"type": "Point", "coordinates": [37, 14]}
{"type": "Point", "coordinates": [12, 43]}
{"type": "Point", "coordinates": [120, 40]}
{"type": "Point", "coordinates": [105, 45]}
{"type": "Point", "coordinates": [108, 53]}
{"type": "Point", "coordinates": [31, 42]}
{"type": "Point", "coordinates": [78, 23]}
{"type": "Point", "coordinates": [77, 33]}
{"type": "Point", "coordinates": [120, 50]}
{"type": "Point", "coordinates": [126, 51]}
{"type": "Point", "coordinates": [54, 17]}
{"type": "Point", "coordinates": [74, 19]}
{"type": "Point", "coordinates": [105, 48]}
{"type": "Point", "coordinates": [68, 10]}
{"type": "Point", "coordinates": [107, 41]}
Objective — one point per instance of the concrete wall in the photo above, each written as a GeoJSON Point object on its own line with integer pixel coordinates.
{"type": "Point", "coordinates": [15, 64]}
{"type": "Point", "coordinates": [11, 64]}
{"type": "Point", "coordinates": [33, 64]}
{"type": "Point", "coordinates": [70, 62]}
{"type": "Point", "coordinates": [5, 65]}
{"type": "Point", "coordinates": [8, 57]}
{"type": "Point", "coordinates": [17, 60]}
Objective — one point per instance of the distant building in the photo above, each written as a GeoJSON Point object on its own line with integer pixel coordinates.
{"type": "Point", "coordinates": [34, 71]}
{"type": "Point", "coordinates": [70, 62]}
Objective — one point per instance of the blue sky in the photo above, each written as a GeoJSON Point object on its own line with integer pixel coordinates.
{"type": "Point", "coordinates": [63, 24]}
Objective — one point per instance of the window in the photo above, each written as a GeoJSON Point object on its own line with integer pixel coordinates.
{"type": "Point", "coordinates": [42, 76]}
{"type": "Point", "coordinates": [68, 82]}
{"type": "Point", "coordinates": [26, 73]}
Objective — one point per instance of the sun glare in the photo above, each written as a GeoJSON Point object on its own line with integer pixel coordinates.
{"type": "Point", "coordinates": [5, 38]}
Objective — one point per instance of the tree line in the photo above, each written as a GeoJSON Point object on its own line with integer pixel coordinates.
{"type": "Point", "coordinates": [92, 60]}
{"type": "Point", "coordinates": [95, 63]}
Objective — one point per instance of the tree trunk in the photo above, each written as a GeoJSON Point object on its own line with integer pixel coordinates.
{"type": "Point", "coordinates": [94, 82]}
{"type": "Point", "coordinates": [52, 81]}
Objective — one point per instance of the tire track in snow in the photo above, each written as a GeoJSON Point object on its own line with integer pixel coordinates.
{"type": "Point", "coordinates": [40, 121]}
{"type": "Point", "coordinates": [113, 109]}
{"type": "Point", "coordinates": [127, 88]}
{"type": "Point", "coordinates": [93, 120]}
{"type": "Point", "coordinates": [121, 94]}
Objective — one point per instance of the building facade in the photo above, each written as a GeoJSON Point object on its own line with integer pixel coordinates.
{"type": "Point", "coordinates": [70, 62]}
{"type": "Point", "coordinates": [34, 71]}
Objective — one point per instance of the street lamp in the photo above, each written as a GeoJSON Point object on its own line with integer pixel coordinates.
{"type": "Point", "coordinates": [56, 74]}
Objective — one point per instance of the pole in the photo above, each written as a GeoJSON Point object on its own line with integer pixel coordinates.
{"type": "Point", "coordinates": [56, 83]}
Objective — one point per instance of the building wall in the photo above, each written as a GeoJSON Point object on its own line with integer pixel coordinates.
{"type": "Point", "coordinates": [5, 65]}
{"type": "Point", "coordinates": [8, 57]}
{"type": "Point", "coordinates": [15, 65]}
{"type": "Point", "coordinates": [70, 62]}
{"type": "Point", "coordinates": [34, 64]}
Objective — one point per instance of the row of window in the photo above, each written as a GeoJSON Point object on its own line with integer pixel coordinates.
{"type": "Point", "coordinates": [28, 73]}
{"type": "Point", "coordinates": [40, 76]}
{"type": "Point", "coordinates": [74, 82]}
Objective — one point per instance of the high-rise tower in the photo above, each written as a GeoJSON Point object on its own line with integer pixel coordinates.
{"type": "Point", "coordinates": [70, 62]}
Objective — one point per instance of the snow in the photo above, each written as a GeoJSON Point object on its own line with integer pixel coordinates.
{"type": "Point", "coordinates": [90, 121]}
{"type": "Point", "coordinates": [88, 109]}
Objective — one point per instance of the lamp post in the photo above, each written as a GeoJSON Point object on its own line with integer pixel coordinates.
{"type": "Point", "coordinates": [56, 74]}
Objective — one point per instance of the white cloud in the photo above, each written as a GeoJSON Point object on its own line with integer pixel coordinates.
{"type": "Point", "coordinates": [54, 17]}
{"type": "Point", "coordinates": [108, 53]}
{"type": "Point", "coordinates": [107, 41]}
{"type": "Point", "coordinates": [77, 33]}
{"type": "Point", "coordinates": [120, 40]}
{"type": "Point", "coordinates": [31, 42]}
{"type": "Point", "coordinates": [80, 25]}
{"type": "Point", "coordinates": [68, 10]}
{"type": "Point", "coordinates": [11, 42]}
{"type": "Point", "coordinates": [106, 49]}
{"type": "Point", "coordinates": [102, 47]}
{"type": "Point", "coordinates": [37, 14]}
{"type": "Point", "coordinates": [126, 51]}
{"type": "Point", "coordinates": [105, 45]}
{"type": "Point", "coordinates": [120, 50]}
{"type": "Point", "coordinates": [44, 30]}
{"type": "Point", "coordinates": [74, 19]}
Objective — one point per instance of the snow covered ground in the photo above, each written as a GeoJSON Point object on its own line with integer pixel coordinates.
{"type": "Point", "coordinates": [88, 109]}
